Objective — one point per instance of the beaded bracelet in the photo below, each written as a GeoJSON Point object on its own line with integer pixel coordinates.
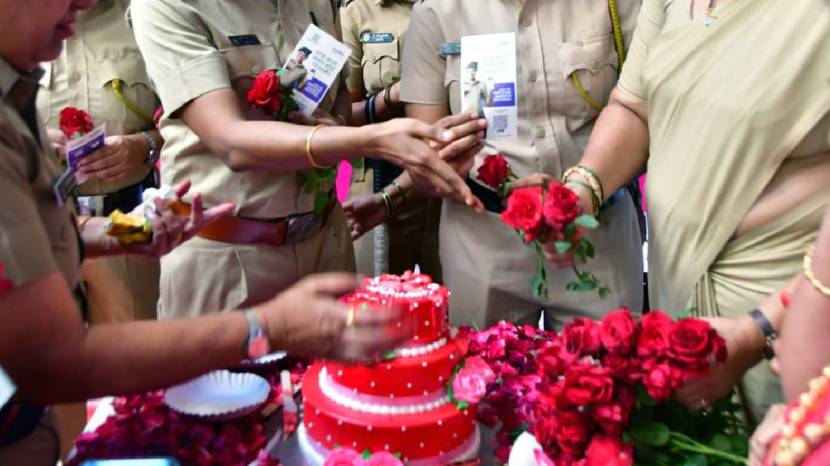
{"type": "Point", "coordinates": [811, 276]}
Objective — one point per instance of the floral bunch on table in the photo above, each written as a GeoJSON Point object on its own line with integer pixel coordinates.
{"type": "Point", "coordinates": [600, 392]}
{"type": "Point", "coordinates": [545, 214]}
{"type": "Point", "coordinates": [144, 426]}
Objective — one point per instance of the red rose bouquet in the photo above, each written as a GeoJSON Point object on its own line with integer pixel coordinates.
{"type": "Point", "coordinates": [552, 214]}
{"type": "Point", "coordinates": [599, 393]}
{"type": "Point", "coordinates": [74, 121]}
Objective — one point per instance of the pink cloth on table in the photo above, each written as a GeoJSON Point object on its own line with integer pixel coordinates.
{"type": "Point", "coordinates": [343, 181]}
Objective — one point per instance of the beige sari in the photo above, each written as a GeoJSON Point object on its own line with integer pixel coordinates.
{"type": "Point", "coordinates": [729, 105]}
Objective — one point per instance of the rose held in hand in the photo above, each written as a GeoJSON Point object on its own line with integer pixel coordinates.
{"type": "Point", "coordinates": [692, 342]}
{"type": "Point", "coordinates": [524, 212]}
{"type": "Point", "coordinates": [73, 120]}
{"type": "Point", "coordinates": [561, 206]}
{"type": "Point", "coordinates": [265, 92]}
{"type": "Point", "coordinates": [494, 171]}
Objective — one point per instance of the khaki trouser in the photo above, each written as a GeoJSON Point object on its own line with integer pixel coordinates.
{"type": "Point", "coordinates": [488, 270]}
{"type": "Point", "coordinates": [203, 276]}
{"type": "Point", "coordinates": [412, 236]}
{"type": "Point", "coordinates": [40, 448]}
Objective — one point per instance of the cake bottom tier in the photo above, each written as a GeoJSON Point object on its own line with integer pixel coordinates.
{"type": "Point", "coordinates": [435, 437]}
{"type": "Point", "coordinates": [315, 454]}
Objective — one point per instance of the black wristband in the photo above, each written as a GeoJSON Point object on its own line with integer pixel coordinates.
{"type": "Point", "coordinates": [767, 330]}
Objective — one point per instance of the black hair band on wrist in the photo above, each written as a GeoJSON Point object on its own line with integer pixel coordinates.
{"type": "Point", "coordinates": [767, 330]}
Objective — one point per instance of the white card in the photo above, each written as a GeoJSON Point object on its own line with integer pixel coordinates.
{"type": "Point", "coordinates": [315, 63]}
{"type": "Point", "coordinates": [7, 388]}
{"type": "Point", "coordinates": [488, 81]}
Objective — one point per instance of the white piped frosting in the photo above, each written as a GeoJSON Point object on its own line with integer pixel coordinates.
{"type": "Point", "coordinates": [378, 405]}
{"type": "Point", "coordinates": [420, 350]}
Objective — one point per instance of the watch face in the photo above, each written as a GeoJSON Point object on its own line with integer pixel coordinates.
{"type": "Point", "coordinates": [258, 347]}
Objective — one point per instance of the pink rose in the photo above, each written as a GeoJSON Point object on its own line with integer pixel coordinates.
{"type": "Point", "coordinates": [478, 365]}
{"type": "Point", "coordinates": [344, 457]}
{"type": "Point", "coordinates": [384, 458]}
{"type": "Point", "coordinates": [608, 450]}
{"type": "Point", "coordinates": [469, 386]}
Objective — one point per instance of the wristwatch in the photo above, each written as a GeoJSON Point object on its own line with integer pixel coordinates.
{"type": "Point", "coordinates": [155, 151]}
{"type": "Point", "coordinates": [767, 329]}
{"type": "Point", "coordinates": [256, 345]}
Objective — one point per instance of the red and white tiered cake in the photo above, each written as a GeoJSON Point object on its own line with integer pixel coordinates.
{"type": "Point", "coordinates": [400, 404]}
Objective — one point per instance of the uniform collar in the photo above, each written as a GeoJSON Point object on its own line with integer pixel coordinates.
{"type": "Point", "coordinates": [16, 87]}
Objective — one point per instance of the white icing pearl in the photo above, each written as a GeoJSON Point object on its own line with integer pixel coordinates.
{"type": "Point", "coordinates": [369, 428]}
{"type": "Point", "coordinates": [310, 425]}
{"type": "Point", "coordinates": [403, 428]}
{"type": "Point", "coordinates": [422, 444]}
{"type": "Point", "coordinates": [372, 384]}
{"type": "Point", "coordinates": [339, 422]}
{"type": "Point", "coordinates": [440, 422]}
{"type": "Point", "coordinates": [340, 373]}
{"type": "Point", "coordinates": [426, 323]}
{"type": "Point", "coordinates": [328, 438]}
{"type": "Point", "coordinates": [426, 393]}
{"type": "Point", "coordinates": [409, 385]}
{"type": "Point", "coordinates": [317, 412]}
{"type": "Point", "coordinates": [424, 364]}
{"type": "Point", "coordinates": [440, 378]}
{"type": "Point", "coordinates": [354, 444]}
{"type": "Point", "coordinates": [386, 447]}
{"type": "Point", "coordinates": [455, 435]}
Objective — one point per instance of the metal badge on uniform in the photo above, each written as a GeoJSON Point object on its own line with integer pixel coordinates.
{"type": "Point", "coordinates": [450, 48]}
{"type": "Point", "coordinates": [65, 186]}
{"type": "Point", "coordinates": [377, 37]}
{"type": "Point", "coordinates": [249, 39]}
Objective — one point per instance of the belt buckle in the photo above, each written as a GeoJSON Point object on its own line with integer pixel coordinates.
{"type": "Point", "coordinates": [302, 227]}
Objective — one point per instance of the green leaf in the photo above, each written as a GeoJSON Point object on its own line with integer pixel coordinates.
{"type": "Point", "coordinates": [603, 292]}
{"type": "Point", "coordinates": [643, 397]}
{"type": "Point", "coordinates": [356, 163]}
{"type": "Point", "coordinates": [366, 454]}
{"type": "Point", "coordinates": [462, 405]}
{"type": "Point", "coordinates": [695, 460]}
{"type": "Point", "coordinates": [587, 221]}
{"type": "Point", "coordinates": [722, 443]}
{"type": "Point", "coordinates": [654, 434]}
{"type": "Point", "coordinates": [562, 246]}
{"type": "Point", "coordinates": [388, 356]}
{"type": "Point", "coordinates": [321, 201]}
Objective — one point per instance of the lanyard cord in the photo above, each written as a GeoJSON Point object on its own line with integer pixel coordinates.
{"type": "Point", "coordinates": [619, 45]}
{"type": "Point", "coordinates": [116, 87]}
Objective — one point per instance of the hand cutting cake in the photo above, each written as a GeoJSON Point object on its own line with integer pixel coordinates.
{"type": "Point", "coordinates": [400, 404]}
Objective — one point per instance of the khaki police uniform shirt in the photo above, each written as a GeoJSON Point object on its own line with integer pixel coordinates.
{"type": "Point", "coordinates": [103, 49]}
{"type": "Point", "coordinates": [37, 236]}
{"type": "Point", "coordinates": [553, 40]}
{"type": "Point", "coordinates": [374, 30]}
{"type": "Point", "coordinates": [189, 50]}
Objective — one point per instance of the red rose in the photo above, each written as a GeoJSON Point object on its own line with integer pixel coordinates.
{"type": "Point", "coordinates": [655, 329]}
{"type": "Point", "coordinates": [660, 380]}
{"type": "Point", "coordinates": [608, 450]}
{"type": "Point", "coordinates": [549, 362]}
{"type": "Point", "coordinates": [613, 417]}
{"type": "Point", "coordinates": [573, 430]}
{"type": "Point", "coordinates": [561, 206]}
{"type": "Point", "coordinates": [265, 92]}
{"type": "Point", "coordinates": [618, 331]}
{"type": "Point", "coordinates": [622, 367]}
{"type": "Point", "coordinates": [588, 385]}
{"type": "Point", "coordinates": [73, 120]}
{"type": "Point", "coordinates": [524, 212]}
{"type": "Point", "coordinates": [693, 342]}
{"type": "Point", "coordinates": [494, 170]}
{"type": "Point", "coordinates": [581, 337]}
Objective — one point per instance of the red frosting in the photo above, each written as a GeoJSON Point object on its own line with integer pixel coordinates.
{"type": "Point", "coordinates": [425, 301]}
{"type": "Point", "coordinates": [415, 436]}
{"type": "Point", "coordinates": [401, 376]}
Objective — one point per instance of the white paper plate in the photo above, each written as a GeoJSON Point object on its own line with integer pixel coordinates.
{"type": "Point", "coordinates": [219, 395]}
{"type": "Point", "coordinates": [266, 360]}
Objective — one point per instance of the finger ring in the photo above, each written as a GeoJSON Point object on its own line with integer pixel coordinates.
{"type": "Point", "coordinates": [705, 405]}
{"type": "Point", "coordinates": [350, 317]}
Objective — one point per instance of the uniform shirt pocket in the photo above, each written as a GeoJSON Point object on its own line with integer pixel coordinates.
{"type": "Point", "coordinates": [128, 98]}
{"type": "Point", "coordinates": [381, 64]}
{"type": "Point", "coordinates": [589, 73]}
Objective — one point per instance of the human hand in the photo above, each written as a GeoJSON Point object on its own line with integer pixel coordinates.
{"type": "Point", "coordinates": [58, 140]}
{"type": "Point", "coordinates": [171, 229]}
{"type": "Point", "coordinates": [364, 213]}
{"type": "Point", "coordinates": [744, 345]}
{"type": "Point", "coordinates": [763, 436]}
{"type": "Point", "coordinates": [117, 158]}
{"type": "Point", "coordinates": [460, 154]}
{"type": "Point", "coordinates": [406, 143]}
{"type": "Point", "coordinates": [307, 320]}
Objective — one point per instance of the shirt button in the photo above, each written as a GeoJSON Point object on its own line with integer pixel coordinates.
{"type": "Point", "coordinates": [526, 22]}
{"type": "Point", "coordinates": [540, 132]}
{"type": "Point", "coordinates": [75, 76]}
{"type": "Point", "coordinates": [532, 76]}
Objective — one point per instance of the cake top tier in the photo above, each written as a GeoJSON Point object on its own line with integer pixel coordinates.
{"type": "Point", "coordinates": [425, 302]}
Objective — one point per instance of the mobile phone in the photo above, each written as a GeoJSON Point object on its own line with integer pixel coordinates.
{"type": "Point", "coordinates": [157, 461]}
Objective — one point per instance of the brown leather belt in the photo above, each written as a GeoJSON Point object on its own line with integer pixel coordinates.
{"type": "Point", "coordinates": [278, 232]}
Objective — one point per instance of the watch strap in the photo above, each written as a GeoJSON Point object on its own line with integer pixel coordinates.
{"type": "Point", "coordinates": [767, 330]}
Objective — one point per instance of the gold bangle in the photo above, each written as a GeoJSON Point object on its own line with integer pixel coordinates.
{"type": "Point", "coordinates": [308, 153]}
{"type": "Point", "coordinates": [594, 200]}
{"type": "Point", "coordinates": [82, 221]}
{"type": "Point", "coordinates": [592, 180]}
{"type": "Point", "coordinates": [811, 276]}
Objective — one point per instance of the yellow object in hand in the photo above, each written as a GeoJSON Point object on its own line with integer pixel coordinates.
{"type": "Point", "coordinates": [129, 229]}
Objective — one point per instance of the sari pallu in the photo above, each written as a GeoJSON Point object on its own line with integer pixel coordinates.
{"type": "Point", "coordinates": [728, 104]}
